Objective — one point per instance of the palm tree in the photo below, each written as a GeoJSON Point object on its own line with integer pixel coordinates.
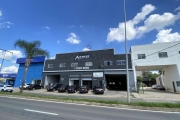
{"type": "Point", "coordinates": [30, 49]}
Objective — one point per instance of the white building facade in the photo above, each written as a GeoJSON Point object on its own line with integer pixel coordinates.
{"type": "Point", "coordinates": [159, 56]}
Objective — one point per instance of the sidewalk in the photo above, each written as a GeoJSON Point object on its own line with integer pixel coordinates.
{"type": "Point", "coordinates": [148, 96]}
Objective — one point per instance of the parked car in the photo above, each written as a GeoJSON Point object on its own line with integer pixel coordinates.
{"type": "Point", "coordinates": [83, 89]}
{"type": "Point", "coordinates": [63, 88]}
{"type": "Point", "coordinates": [6, 88]}
{"type": "Point", "coordinates": [54, 87]}
{"type": "Point", "coordinates": [98, 89]}
{"type": "Point", "coordinates": [25, 86]}
{"type": "Point", "coordinates": [160, 87]}
{"type": "Point", "coordinates": [72, 89]}
{"type": "Point", "coordinates": [154, 86]}
{"type": "Point", "coordinates": [34, 87]}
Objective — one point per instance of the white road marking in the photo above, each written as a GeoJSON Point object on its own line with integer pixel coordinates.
{"type": "Point", "coordinates": [94, 105]}
{"type": "Point", "coordinates": [40, 112]}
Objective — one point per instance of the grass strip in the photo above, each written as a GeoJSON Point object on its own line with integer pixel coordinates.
{"type": "Point", "coordinates": [105, 102]}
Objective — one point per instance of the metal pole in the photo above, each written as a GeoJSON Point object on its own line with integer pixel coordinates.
{"type": "Point", "coordinates": [2, 61]}
{"type": "Point", "coordinates": [127, 69]}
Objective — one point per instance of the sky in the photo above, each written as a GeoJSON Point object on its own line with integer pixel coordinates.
{"type": "Point", "coordinates": [80, 25]}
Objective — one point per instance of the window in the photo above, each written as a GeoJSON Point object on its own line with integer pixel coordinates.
{"type": "Point", "coordinates": [106, 63]}
{"type": "Point", "coordinates": [141, 56]}
{"type": "Point", "coordinates": [163, 54]}
{"type": "Point", "coordinates": [62, 65]}
{"type": "Point", "coordinates": [179, 52]}
{"type": "Point", "coordinates": [74, 64]}
{"type": "Point", "coordinates": [50, 65]}
{"type": "Point", "coordinates": [88, 63]}
{"type": "Point", "coordinates": [121, 62]}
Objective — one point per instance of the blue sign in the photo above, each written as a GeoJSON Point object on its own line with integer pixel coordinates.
{"type": "Point", "coordinates": [33, 60]}
{"type": "Point", "coordinates": [8, 75]}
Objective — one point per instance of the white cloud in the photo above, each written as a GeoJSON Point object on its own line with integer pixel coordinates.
{"type": "Point", "coordinates": [10, 54]}
{"type": "Point", "coordinates": [58, 41]}
{"type": "Point", "coordinates": [10, 69]}
{"type": "Point", "coordinates": [47, 28]}
{"type": "Point", "coordinates": [86, 49]}
{"type": "Point", "coordinates": [4, 24]}
{"type": "Point", "coordinates": [117, 34]}
{"type": "Point", "coordinates": [154, 21]}
{"type": "Point", "coordinates": [73, 39]}
{"type": "Point", "coordinates": [52, 57]}
{"type": "Point", "coordinates": [158, 22]}
{"type": "Point", "coordinates": [167, 36]}
{"type": "Point", "coordinates": [153, 72]}
{"type": "Point", "coordinates": [81, 26]}
{"type": "Point", "coordinates": [177, 9]}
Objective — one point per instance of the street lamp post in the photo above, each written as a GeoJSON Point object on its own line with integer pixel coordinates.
{"type": "Point", "coordinates": [2, 61]}
{"type": "Point", "coordinates": [127, 68]}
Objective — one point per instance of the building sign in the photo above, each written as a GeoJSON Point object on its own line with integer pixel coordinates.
{"type": "Point", "coordinates": [82, 57]}
{"type": "Point", "coordinates": [97, 74]}
{"type": "Point", "coordinates": [81, 68]}
{"type": "Point", "coordinates": [62, 79]}
{"type": "Point", "coordinates": [178, 83]}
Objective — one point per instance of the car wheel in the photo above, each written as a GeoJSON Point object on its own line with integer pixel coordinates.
{"type": "Point", "coordinates": [2, 90]}
{"type": "Point", "coordinates": [11, 91]}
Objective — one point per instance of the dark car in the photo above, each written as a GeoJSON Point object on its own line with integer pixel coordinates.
{"type": "Point", "coordinates": [34, 87]}
{"type": "Point", "coordinates": [83, 89]}
{"type": "Point", "coordinates": [63, 88]}
{"type": "Point", "coordinates": [72, 89]}
{"type": "Point", "coordinates": [54, 87]}
{"type": "Point", "coordinates": [98, 89]}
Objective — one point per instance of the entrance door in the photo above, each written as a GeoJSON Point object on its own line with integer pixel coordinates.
{"type": "Point", "coordinates": [174, 86]}
{"type": "Point", "coordinates": [76, 82]}
{"type": "Point", "coordinates": [88, 83]}
{"type": "Point", "coordinates": [100, 83]}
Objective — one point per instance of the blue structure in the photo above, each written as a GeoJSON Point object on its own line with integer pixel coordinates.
{"type": "Point", "coordinates": [9, 78]}
{"type": "Point", "coordinates": [35, 70]}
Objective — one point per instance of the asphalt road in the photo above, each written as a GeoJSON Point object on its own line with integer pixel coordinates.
{"type": "Point", "coordinates": [21, 109]}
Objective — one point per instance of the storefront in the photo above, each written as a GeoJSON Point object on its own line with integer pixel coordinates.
{"type": "Point", "coordinates": [88, 68]}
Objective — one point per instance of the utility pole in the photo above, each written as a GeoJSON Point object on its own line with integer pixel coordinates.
{"type": "Point", "coordinates": [3, 58]}
{"type": "Point", "coordinates": [127, 68]}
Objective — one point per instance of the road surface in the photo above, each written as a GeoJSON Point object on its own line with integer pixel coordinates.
{"type": "Point", "coordinates": [22, 109]}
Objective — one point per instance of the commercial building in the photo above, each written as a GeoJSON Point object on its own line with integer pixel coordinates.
{"type": "Point", "coordinates": [8, 78]}
{"type": "Point", "coordinates": [159, 56]}
{"type": "Point", "coordinates": [35, 70]}
{"type": "Point", "coordinates": [97, 67]}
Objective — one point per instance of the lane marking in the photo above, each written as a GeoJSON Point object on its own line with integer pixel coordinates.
{"type": "Point", "coordinates": [40, 112]}
{"type": "Point", "coordinates": [30, 99]}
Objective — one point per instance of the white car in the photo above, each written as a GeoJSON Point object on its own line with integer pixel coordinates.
{"type": "Point", "coordinates": [6, 88]}
{"type": "Point", "coordinates": [25, 86]}
{"type": "Point", "coordinates": [154, 86]}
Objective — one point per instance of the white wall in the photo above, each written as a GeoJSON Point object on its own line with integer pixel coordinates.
{"type": "Point", "coordinates": [173, 54]}
{"type": "Point", "coordinates": [171, 75]}
{"type": "Point", "coordinates": [172, 71]}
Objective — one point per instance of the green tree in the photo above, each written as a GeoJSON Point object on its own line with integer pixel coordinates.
{"type": "Point", "coordinates": [30, 49]}
{"type": "Point", "coordinates": [139, 78]}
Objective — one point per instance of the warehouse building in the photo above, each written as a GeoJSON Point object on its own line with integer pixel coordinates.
{"type": "Point", "coordinates": [35, 70]}
{"type": "Point", "coordinates": [97, 67]}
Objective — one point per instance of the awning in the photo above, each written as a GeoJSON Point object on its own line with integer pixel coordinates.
{"type": "Point", "coordinates": [87, 79]}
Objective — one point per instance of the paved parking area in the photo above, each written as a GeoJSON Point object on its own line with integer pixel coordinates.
{"type": "Point", "coordinates": [154, 94]}
{"type": "Point", "coordinates": [107, 93]}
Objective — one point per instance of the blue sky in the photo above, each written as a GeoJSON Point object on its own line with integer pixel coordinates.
{"type": "Point", "coordinates": [69, 25]}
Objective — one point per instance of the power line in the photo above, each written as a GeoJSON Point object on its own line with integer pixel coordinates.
{"type": "Point", "coordinates": [176, 49]}
{"type": "Point", "coordinates": [158, 51]}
